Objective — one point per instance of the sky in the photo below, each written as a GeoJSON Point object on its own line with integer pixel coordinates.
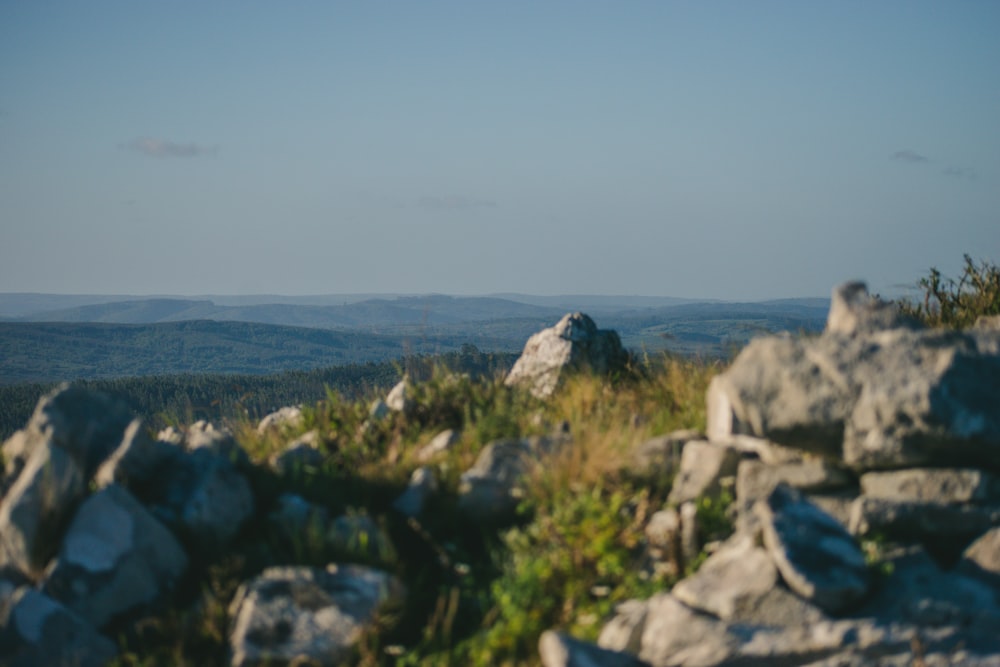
{"type": "Point", "coordinates": [732, 150]}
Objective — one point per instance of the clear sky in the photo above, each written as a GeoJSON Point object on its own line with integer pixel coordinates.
{"type": "Point", "coordinates": [738, 150]}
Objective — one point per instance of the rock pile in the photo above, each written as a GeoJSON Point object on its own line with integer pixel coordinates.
{"type": "Point", "coordinates": [867, 508]}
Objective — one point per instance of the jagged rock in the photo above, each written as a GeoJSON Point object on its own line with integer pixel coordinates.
{"type": "Point", "coordinates": [982, 558]}
{"type": "Point", "coordinates": [302, 454]}
{"type": "Point", "coordinates": [661, 456]}
{"type": "Point", "coordinates": [934, 485]}
{"type": "Point", "coordinates": [422, 486]}
{"type": "Point", "coordinates": [87, 424]}
{"type": "Point", "coordinates": [854, 311]}
{"type": "Point", "coordinates": [115, 558]}
{"type": "Point", "coordinates": [557, 649]}
{"type": "Point", "coordinates": [306, 614]}
{"type": "Point", "coordinates": [574, 344]}
{"type": "Point", "coordinates": [674, 634]}
{"type": "Point", "coordinates": [289, 416]}
{"type": "Point", "coordinates": [37, 507]}
{"type": "Point", "coordinates": [921, 521]}
{"type": "Point", "coordinates": [439, 444]}
{"type": "Point", "coordinates": [740, 583]}
{"type": "Point", "coordinates": [397, 399]}
{"type": "Point", "coordinates": [36, 630]}
{"type": "Point", "coordinates": [755, 480]}
{"type": "Point", "coordinates": [703, 466]}
{"type": "Point", "coordinates": [884, 399]}
{"type": "Point", "coordinates": [816, 557]}
{"type": "Point", "coordinates": [624, 631]}
{"type": "Point", "coordinates": [490, 490]}
{"type": "Point", "coordinates": [203, 435]}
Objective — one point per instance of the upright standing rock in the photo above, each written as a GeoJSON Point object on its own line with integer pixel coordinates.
{"type": "Point", "coordinates": [574, 344]}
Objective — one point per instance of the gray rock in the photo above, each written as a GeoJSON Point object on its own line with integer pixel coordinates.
{"type": "Point", "coordinates": [920, 521]}
{"type": "Point", "coordinates": [739, 583]}
{"type": "Point", "coordinates": [204, 436]}
{"type": "Point", "coordinates": [301, 455]}
{"type": "Point", "coordinates": [36, 630]}
{"type": "Point", "coordinates": [703, 466]}
{"type": "Point", "coordinates": [491, 489]}
{"type": "Point", "coordinates": [918, 593]}
{"type": "Point", "coordinates": [663, 538]}
{"type": "Point", "coordinates": [398, 400]}
{"type": "Point", "coordinates": [982, 558]}
{"type": "Point", "coordinates": [557, 649]}
{"type": "Point", "coordinates": [289, 416]}
{"type": "Point", "coordinates": [661, 456]}
{"type": "Point", "coordinates": [87, 424]}
{"type": "Point", "coordinates": [115, 559]}
{"type": "Point", "coordinates": [854, 311]}
{"type": "Point", "coordinates": [218, 504]}
{"type": "Point", "coordinates": [937, 485]}
{"type": "Point", "coordinates": [379, 410]}
{"type": "Point", "coordinates": [756, 480]}
{"type": "Point", "coordinates": [439, 444]}
{"type": "Point", "coordinates": [816, 557]}
{"type": "Point", "coordinates": [297, 613]}
{"type": "Point", "coordinates": [423, 484]}
{"type": "Point", "coordinates": [690, 541]}
{"type": "Point", "coordinates": [624, 631]}
{"type": "Point", "coordinates": [37, 507]}
{"type": "Point", "coordinates": [885, 399]}
{"type": "Point", "coordinates": [574, 344]}
{"type": "Point", "coordinates": [674, 634]}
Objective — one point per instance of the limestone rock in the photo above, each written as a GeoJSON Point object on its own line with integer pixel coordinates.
{"type": "Point", "coordinates": [674, 634]}
{"type": "Point", "coordinates": [115, 558]}
{"type": "Point", "coordinates": [490, 490]}
{"type": "Point", "coordinates": [398, 400]}
{"type": "Point", "coordinates": [881, 400]}
{"type": "Point", "coordinates": [624, 631]}
{"type": "Point", "coordinates": [136, 461]}
{"type": "Point", "coordinates": [205, 436]}
{"type": "Point", "coordinates": [574, 344]}
{"type": "Point", "coordinates": [853, 311]}
{"type": "Point", "coordinates": [288, 416]}
{"type": "Point", "coordinates": [557, 649]}
{"type": "Point", "coordinates": [306, 614]}
{"type": "Point", "coordinates": [982, 558]}
{"type": "Point", "coordinates": [439, 444]}
{"type": "Point", "coordinates": [755, 480]}
{"type": "Point", "coordinates": [37, 507]}
{"type": "Point", "coordinates": [36, 630]}
{"type": "Point", "coordinates": [740, 583]}
{"type": "Point", "coordinates": [703, 466]}
{"type": "Point", "coordinates": [934, 485]}
{"type": "Point", "coordinates": [921, 521]}
{"type": "Point", "coordinates": [816, 557]}
{"type": "Point", "coordinates": [301, 455]}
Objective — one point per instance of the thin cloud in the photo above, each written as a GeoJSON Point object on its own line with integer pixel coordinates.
{"type": "Point", "coordinates": [909, 156]}
{"type": "Point", "coordinates": [163, 148]}
{"type": "Point", "coordinates": [961, 172]}
{"type": "Point", "coordinates": [454, 203]}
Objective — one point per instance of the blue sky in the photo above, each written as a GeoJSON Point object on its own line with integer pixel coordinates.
{"type": "Point", "coordinates": [737, 150]}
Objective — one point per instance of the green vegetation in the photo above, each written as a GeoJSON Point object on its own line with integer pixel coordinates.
{"type": "Point", "coordinates": [957, 304]}
{"type": "Point", "coordinates": [477, 595]}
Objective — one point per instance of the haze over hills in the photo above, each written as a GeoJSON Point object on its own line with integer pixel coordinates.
{"type": "Point", "coordinates": [55, 337]}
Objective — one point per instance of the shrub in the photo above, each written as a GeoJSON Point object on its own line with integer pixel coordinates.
{"type": "Point", "coordinates": [957, 304]}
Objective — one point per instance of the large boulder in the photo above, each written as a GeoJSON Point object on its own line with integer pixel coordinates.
{"type": "Point", "coordinates": [881, 399]}
{"type": "Point", "coordinates": [302, 615]}
{"type": "Point", "coordinates": [574, 344]}
{"type": "Point", "coordinates": [116, 558]}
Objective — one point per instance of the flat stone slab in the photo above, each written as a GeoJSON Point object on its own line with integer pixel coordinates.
{"type": "Point", "coordinates": [816, 556]}
{"type": "Point", "coordinates": [920, 521]}
{"type": "Point", "coordinates": [938, 485]}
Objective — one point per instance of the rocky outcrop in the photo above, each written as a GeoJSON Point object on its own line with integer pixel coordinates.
{"type": "Point", "coordinates": [574, 344]}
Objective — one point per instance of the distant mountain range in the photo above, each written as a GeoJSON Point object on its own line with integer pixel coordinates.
{"type": "Point", "coordinates": [47, 337]}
